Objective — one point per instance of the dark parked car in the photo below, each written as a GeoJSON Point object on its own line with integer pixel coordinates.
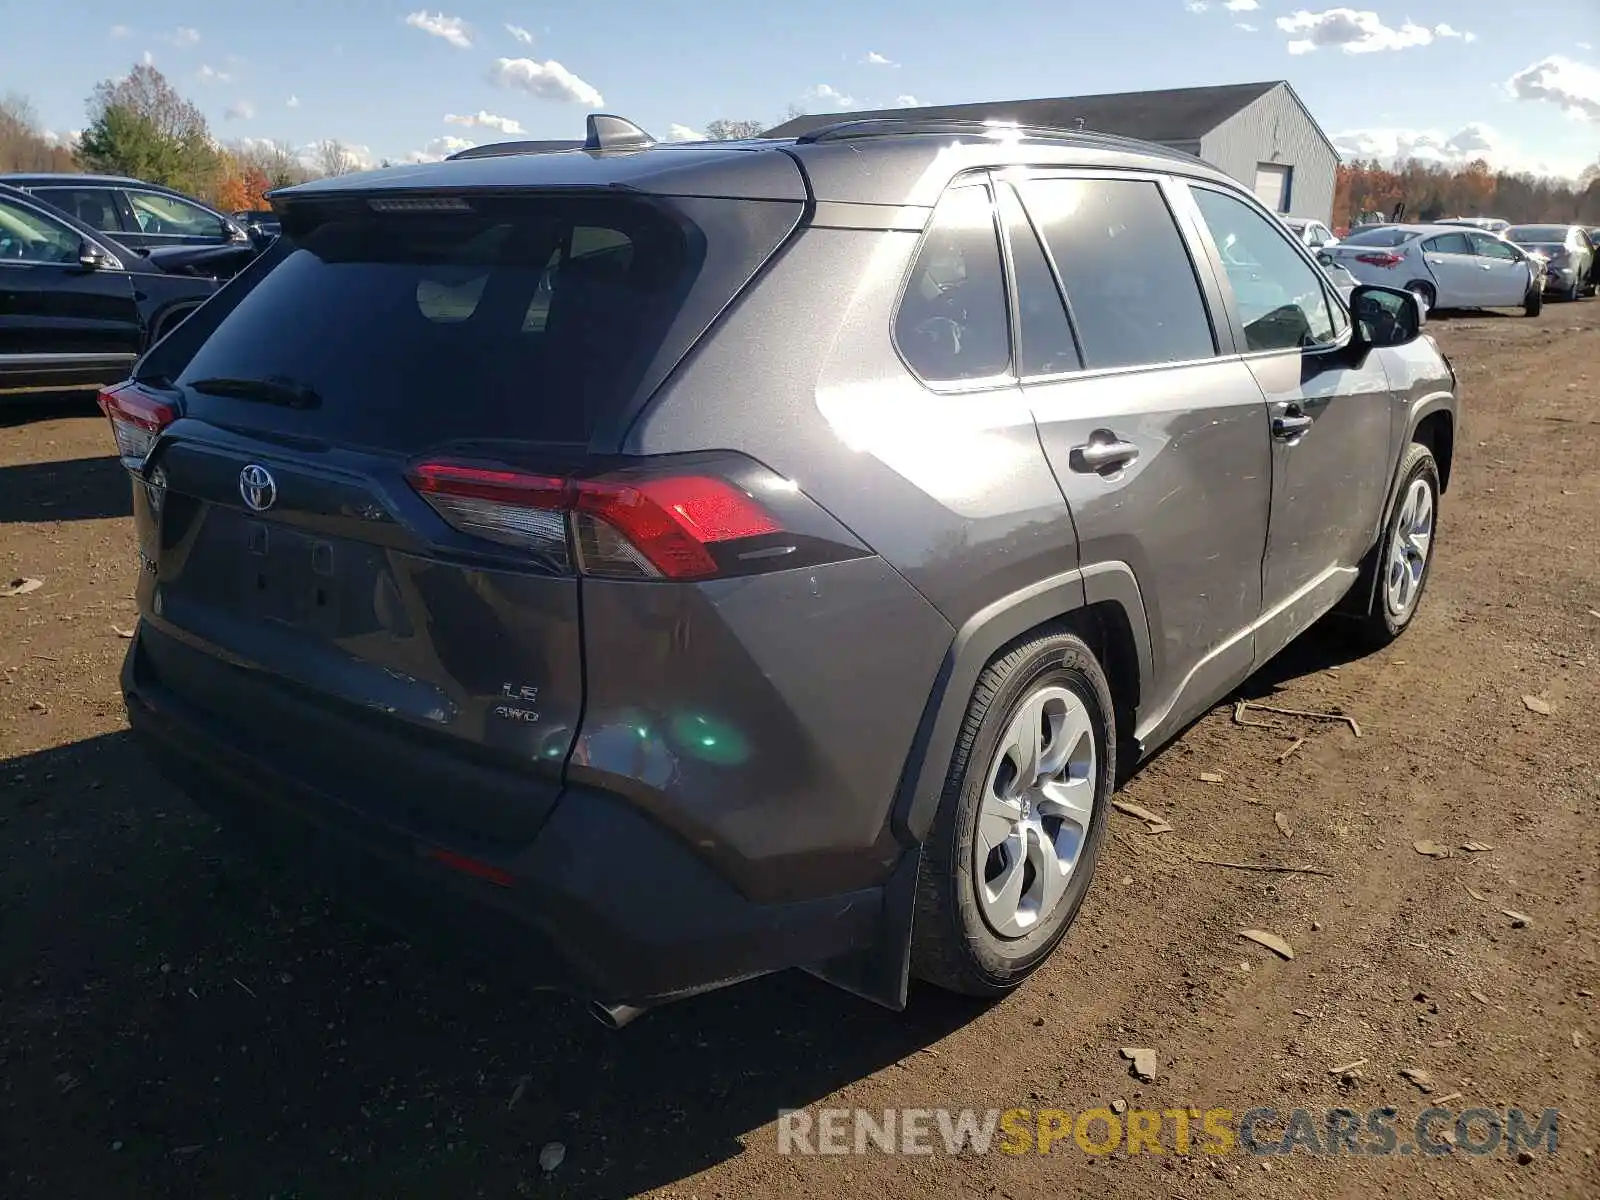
{"type": "Point", "coordinates": [669, 564]}
{"type": "Point", "coordinates": [140, 215]}
{"type": "Point", "coordinates": [1568, 252]}
{"type": "Point", "coordinates": [258, 221]}
{"type": "Point", "coordinates": [77, 307]}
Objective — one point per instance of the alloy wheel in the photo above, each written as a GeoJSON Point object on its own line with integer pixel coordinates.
{"type": "Point", "coordinates": [1409, 548]}
{"type": "Point", "coordinates": [1038, 799]}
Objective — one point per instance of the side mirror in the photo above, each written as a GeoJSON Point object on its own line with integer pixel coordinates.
{"type": "Point", "coordinates": [1325, 258]}
{"type": "Point", "coordinates": [90, 256]}
{"type": "Point", "coordinates": [1386, 316]}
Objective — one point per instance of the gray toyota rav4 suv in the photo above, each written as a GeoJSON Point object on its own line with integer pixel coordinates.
{"type": "Point", "coordinates": [662, 565]}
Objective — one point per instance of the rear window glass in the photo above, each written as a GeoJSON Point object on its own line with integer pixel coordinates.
{"type": "Point", "coordinates": [1448, 243]}
{"type": "Point", "coordinates": [1537, 233]}
{"type": "Point", "coordinates": [1378, 237]}
{"type": "Point", "coordinates": [524, 318]}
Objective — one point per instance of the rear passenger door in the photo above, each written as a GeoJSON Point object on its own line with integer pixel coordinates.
{"type": "Point", "coordinates": [1156, 431]}
{"type": "Point", "coordinates": [1331, 413]}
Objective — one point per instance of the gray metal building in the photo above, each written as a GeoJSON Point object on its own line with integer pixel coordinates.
{"type": "Point", "coordinates": [1259, 133]}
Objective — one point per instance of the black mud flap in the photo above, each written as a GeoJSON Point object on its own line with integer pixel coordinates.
{"type": "Point", "coordinates": [881, 971]}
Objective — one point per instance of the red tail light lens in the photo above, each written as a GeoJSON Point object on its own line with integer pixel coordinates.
{"type": "Point", "coordinates": [656, 528]}
{"type": "Point", "coordinates": [137, 419]}
{"type": "Point", "coordinates": [1381, 259]}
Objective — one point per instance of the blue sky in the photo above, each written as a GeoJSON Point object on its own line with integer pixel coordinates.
{"type": "Point", "coordinates": [1446, 80]}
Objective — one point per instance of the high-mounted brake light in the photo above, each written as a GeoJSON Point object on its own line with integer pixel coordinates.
{"type": "Point", "coordinates": [137, 419]}
{"type": "Point", "coordinates": [1385, 259]}
{"type": "Point", "coordinates": [663, 527]}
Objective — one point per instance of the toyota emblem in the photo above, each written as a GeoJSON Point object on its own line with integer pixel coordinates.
{"type": "Point", "coordinates": [257, 487]}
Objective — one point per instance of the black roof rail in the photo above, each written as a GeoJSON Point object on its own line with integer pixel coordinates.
{"type": "Point", "coordinates": [870, 127]}
{"type": "Point", "coordinates": [500, 149]}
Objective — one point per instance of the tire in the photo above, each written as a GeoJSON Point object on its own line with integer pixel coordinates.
{"type": "Point", "coordinates": [1533, 302]}
{"type": "Point", "coordinates": [1573, 293]}
{"type": "Point", "coordinates": [1425, 292]}
{"type": "Point", "coordinates": [1396, 597]}
{"type": "Point", "coordinates": [967, 935]}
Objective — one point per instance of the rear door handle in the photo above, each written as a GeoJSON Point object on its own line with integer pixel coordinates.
{"type": "Point", "coordinates": [1291, 425]}
{"type": "Point", "coordinates": [1486, 267]}
{"type": "Point", "coordinates": [1104, 452]}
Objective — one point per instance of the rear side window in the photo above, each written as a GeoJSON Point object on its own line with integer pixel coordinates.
{"type": "Point", "coordinates": [1130, 284]}
{"type": "Point", "coordinates": [95, 207]}
{"type": "Point", "coordinates": [523, 318]}
{"type": "Point", "coordinates": [1448, 243]}
{"type": "Point", "coordinates": [952, 326]}
{"type": "Point", "coordinates": [1046, 341]}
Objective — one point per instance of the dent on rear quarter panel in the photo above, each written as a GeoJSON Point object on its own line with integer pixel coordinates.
{"type": "Point", "coordinates": [764, 719]}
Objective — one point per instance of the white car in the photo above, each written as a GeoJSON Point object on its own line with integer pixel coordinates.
{"type": "Point", "coordinates": [1487, 224]}
{"type": "Point", "coordinates": [1444, 266]}
{"type": "Point", "coordinates": [1311, 232]}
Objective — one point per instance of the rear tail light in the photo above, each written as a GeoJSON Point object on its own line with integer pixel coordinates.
{"type": "Point", "coordinates": [1385, 259]}
{"type": "Point", "coordinates": [672, 526]}
{"type": "Point", "coordinates": [137, 419]}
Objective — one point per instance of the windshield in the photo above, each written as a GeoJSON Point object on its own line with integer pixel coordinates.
{"type": "Point", "coordinates": [1527, 234]}
{"type": "Point", "coordinates": [1378, 237]}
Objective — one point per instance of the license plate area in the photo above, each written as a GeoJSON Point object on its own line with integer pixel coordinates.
{"type": "Point", "coordinates": [290, 578]}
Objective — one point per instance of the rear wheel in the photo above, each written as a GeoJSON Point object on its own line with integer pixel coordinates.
{"type": "Point", "coordinates": [1013, 847]}
{"type": "Point", "coordinates": [1575, 292]}
{"type": "Point", "coordinates": [1424, 292]}
{"type": "Point", "coordinates": [1533, 302]}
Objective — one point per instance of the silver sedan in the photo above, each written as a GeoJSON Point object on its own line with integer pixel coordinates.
{"type": "Point", "coordinates": [1444, 266]}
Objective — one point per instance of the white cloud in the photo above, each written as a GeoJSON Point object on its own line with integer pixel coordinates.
{"type": "Point", "coordinates": [1450, 31]}
{"type": "Point", "coordinates": [546, 80]}
{"type": "Point", "coordinates": [521, 34]}
{"type": "Point", "coordinates": [1242, 5]}
{"type": "Point", "coordinates": [359, 156]}
{"type": "Point", "coordinates": [69, 138]}
{"type": "Point", "coordinates": [1197, 6]}
{"type": "Point", "coordinates": [825, 94]}
{"type": "Point", "coordinates": [682, 133]}
{"type": "Point", "coordinates": [209, 74]}
{"type": "Point", "coordinates": [242, 111]}
{"type": "Point", "coordinates": [1351, 30]}
{"type": "Point", "coordinates": [484, 120]}
{"type": "Point", "coordinates": [1432, 146]}
{"type": "Point", "coordinates": [292, 102]}
{"type": "Point", "coordinates": [907, 101]}
{"type": "Point", "coordinates": [148, 59]}
{"type": "Point", "coordinates": [451, 29]}
{"type": "Point", "coordinates": [119, 32]}
{"type": "Point", "coordinates": [1583, 45]}
{"type": "Point", "coordinates": [1246, 26]}
{"type": "Point", "coordinates": [183, 37]}
{"type": "Point", "coordinates": [874, 59]}
{"type": "Point", "coordinates": [439, 148]}
{"type": "Point", "coordinates": [1572, 86]}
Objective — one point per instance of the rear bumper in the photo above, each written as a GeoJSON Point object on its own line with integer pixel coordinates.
{"type": "Point", "coordinates": [604, 903]}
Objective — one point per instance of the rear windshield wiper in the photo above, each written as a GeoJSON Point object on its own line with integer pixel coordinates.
{"type": "Point", "coordinates": [272, 391]}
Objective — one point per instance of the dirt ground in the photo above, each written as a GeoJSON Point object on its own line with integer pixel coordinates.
{"type": "Point", "coordinates": [177, 1022]}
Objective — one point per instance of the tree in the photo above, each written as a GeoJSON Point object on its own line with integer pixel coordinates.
{"type": "Point", "coordinates": [724, 130]}
{"type": "Point", "coordinates": [332, 158]}
{"type": "Point", "coordinates": [23, 144]}
{"type": "Point", "coordinates": [140, 126]}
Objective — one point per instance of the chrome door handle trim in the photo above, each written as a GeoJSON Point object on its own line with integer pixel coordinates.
{"type": "Point", "coordinates": [1290, 426]}
{"type": "Point", "coordinates": [1102, 456]}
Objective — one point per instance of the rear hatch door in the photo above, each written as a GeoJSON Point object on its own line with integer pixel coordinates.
{"type": "Point", "coordinates": [300, 590]}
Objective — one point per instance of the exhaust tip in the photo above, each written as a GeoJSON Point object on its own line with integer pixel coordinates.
{"type": "Point", "coordinates": [614, 1016]}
